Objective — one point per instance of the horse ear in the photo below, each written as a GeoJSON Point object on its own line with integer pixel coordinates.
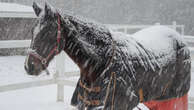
{"type": "Point", "coordinates": [48, 10]}
{"type": "Point", "coordinates": [37, 8]}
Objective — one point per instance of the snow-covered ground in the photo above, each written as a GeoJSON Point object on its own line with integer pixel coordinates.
{"type": "Point", "coordinates": [37, 98]}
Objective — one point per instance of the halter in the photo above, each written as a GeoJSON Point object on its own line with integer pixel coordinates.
{"type": "Point", "coordinates": [54, 51]}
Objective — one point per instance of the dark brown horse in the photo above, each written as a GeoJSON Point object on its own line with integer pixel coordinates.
{"type": "Point", "coordinates": [117, 71]}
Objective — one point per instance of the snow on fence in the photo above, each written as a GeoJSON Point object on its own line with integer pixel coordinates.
{"type": "Point", "coordinates": [126, 28]}
{"type": "Point", "coordinates": [60, 69]}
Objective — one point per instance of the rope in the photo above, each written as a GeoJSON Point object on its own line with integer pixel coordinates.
{"type": "Point", "coordinates": [108, 91]}
{"type": "Point", "coordinates": [141, 98]}
{"type": "Point", "coordinates": [113, 97]}
{"type": "Point", "coordinates": [111, 60]}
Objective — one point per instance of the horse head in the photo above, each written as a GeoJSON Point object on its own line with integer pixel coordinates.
{"type": "Point", "coordinates": [46, 39]}
{"type": "Point", "coordinates": [88, 45]}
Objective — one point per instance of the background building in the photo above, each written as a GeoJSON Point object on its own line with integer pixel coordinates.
{"type": "Point", "coordinates": [16, 22]}
{"type": "Point", "coordinates": [128, 11]}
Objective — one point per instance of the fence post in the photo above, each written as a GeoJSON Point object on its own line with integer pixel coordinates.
{"type": "Point", "coordinates": [60, 70]}
{"type": "Point", "coordinates": [60, 92]}
{"type": "Point", "coordinates": [174, 25]}
{"type": "Point", "coordinates": [125, 30]}
{"type": "Point", "coordinates": [183, 30]}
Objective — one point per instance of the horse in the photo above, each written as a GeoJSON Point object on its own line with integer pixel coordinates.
{"type": "Point", "coordinates": [117, 71]}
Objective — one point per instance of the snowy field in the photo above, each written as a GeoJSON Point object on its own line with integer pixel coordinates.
{"type": "Point", "coordinates": [37, 98]}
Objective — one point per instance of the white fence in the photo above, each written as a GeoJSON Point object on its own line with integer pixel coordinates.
{"type": "Point", "coordinates": [57, 79]}
{"type": "Point", "coordinates": [126, 28]}
{"type": "Point", "coordinates": [60, 72]}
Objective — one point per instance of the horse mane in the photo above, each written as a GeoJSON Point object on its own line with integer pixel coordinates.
{"type": "Point", "coordinates": [96, 28]}
{"type": "Point", "coordinates": [98, 40]}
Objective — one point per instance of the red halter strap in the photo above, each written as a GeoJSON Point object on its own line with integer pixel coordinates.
{"type": "Point", "coordinates": [58, 34]}
{"type": "Point", "coordinates": [55, 50]}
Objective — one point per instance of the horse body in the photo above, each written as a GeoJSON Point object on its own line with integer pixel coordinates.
{"type": "Point", "coordinates": [159, 66]}
{"type": "Point", "coordinates": [117, 71]}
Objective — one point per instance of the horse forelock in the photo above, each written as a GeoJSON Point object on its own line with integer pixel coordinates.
{"type": "Point", "coordinates": [36, 30]}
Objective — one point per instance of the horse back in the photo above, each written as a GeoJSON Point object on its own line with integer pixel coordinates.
{"type": "Point", "coordinates": [160, 62]}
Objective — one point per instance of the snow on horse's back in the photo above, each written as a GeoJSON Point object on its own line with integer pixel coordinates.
{"type": "Point", "coordinates": [158, 38]}
{"type": "Point", "coordinates": [153, 42]}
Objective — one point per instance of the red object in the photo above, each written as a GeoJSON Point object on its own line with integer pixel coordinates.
{"type": "Point", "coordinates": [170, 104]}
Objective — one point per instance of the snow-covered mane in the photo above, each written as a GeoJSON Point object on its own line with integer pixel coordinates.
{"type": "Point", "coordinates": [93, 43]}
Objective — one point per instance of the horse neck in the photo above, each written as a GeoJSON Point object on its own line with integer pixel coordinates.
{"type": "Point", "coordinates": [80, 51]}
